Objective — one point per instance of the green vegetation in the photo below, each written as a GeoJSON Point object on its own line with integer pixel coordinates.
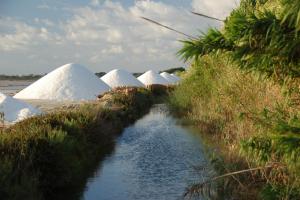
{"type": "Point", "coordinates": [51, 156]}
{"type": "Point", "coordinates": [174, 70]}
{"type": "Point", "coordinates": [100, 74]}
{"type": "Point", "coordinates": [260, 36]}
{"type": "Point", "coordinates": [242, 90]}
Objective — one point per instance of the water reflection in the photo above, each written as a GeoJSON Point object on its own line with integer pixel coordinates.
{"type": "Point", "coordinates": [153, 159]}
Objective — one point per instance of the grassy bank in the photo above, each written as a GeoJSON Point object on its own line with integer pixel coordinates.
{"type": "Point", "coordinates": [242, 91]}
{"type": "Point", "coordinates": [252, 121]}
{"type": "Point", "coordinates": [51, 156]}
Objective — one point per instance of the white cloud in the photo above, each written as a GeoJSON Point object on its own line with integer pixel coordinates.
{"type": "Point", "coordinates": [106, 36]}
{"type": "Point", "coordinates": [20, 35]}
{"type": "Point", "coordinates": [215, 8]}
{"type": "Point", "coordinates": [115, 49]}
{"type": "Point", "coordinates": [43, 6]}
{"type": "Point", "coordinates": [44, 22]}
{"type": "Point", "coordinates": [113, 35]}
{"type": "Point", "coordinates": [112, 23]}
{"type": "Point", "coordinates": [95, 3]}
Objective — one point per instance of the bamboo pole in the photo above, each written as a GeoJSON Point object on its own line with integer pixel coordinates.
{"type": "Point", "coordinates": [169, 28]}
{"type": "Point", "coordinates": [206, 16]}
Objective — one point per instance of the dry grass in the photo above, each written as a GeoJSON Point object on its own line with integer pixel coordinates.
{"type": "Point", "coordinates": [230, 106]}
{"type": "Point", "coordinates": [236, 100]}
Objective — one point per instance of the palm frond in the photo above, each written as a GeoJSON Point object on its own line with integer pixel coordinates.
{"type": "Point", "coordinates": [212, 41]}
{"type": "Point", "coordinates": [291, 13]}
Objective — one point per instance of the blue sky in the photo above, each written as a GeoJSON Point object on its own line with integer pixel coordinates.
{"type": "Point", "coordinates": [36, 36]}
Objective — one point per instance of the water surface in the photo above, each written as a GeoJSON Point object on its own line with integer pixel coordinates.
{"type": "Point", "coordinates": [11, 87]}
{"type": "Point", "coordinates": [153, 159]}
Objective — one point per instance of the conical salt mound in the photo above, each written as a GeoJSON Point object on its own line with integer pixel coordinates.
{"type": "Point", "coordinates": [121, 78]}
{"type": "Point", "coordinates": [152, 78]}
{"type": "Point", "coordinates": [176, 77]}
{"type": "Point", "coordinates": [15, 110]}
{"type": "Point", "coordinates": [169, 77]}
{"type": "Point", "coordinates": [68, 82]}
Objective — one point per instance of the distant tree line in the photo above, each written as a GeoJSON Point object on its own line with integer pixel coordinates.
{"type": "Point", "coordinates": [99, 74]}
{"type": "Point", "coordinates": [137, 74]}
{"type": "Point", "coordinates": [173, 70]}
{"type": "Point", "coordinates": [20, 77]}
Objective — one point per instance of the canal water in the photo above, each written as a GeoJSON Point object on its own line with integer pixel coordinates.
{"type": "Point", "coordinates": [154, 159]}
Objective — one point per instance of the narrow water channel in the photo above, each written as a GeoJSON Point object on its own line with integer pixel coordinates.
{"type": "Point", "coordinates": [154, 159]}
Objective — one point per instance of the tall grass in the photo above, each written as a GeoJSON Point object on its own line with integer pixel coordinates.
{"type": "Point", "coordinates": [254, 120]}
{"type": "Point", "coordinates": [243, 88]}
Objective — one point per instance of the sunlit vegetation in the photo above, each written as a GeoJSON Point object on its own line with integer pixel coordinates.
{"type": "Point", "coordinates": [51, 156]}
{"type": "Point", "coordinates": [243, 89]}
{"type": "Point", "coordinates": [259, 36]}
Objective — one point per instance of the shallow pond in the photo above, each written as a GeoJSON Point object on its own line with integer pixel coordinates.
{"type": "Point", "coordinates": [153, 159]}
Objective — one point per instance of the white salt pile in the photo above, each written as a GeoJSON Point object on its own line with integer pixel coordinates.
{"type": "Point", "coordinates": [68, 82]}
{"type": "Point", "coordinates": [169, 77]}
{"type": "Point", "coordinates": [15, 110]}
{"type": "Point", "coordinates": [121, 78]}
{"type": "Point", "coordinates": [176, 77]}
{"type": "Point", "coordinates": [150, 78]}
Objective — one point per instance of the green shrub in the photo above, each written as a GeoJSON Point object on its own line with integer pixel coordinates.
{"type": "Point", "coordinates": [42, 156]}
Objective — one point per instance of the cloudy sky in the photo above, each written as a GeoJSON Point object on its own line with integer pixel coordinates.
{"type": "Point", "coordinates": [36, 36]}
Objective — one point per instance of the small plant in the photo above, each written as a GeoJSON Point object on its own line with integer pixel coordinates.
{"type": "Point", "coordinates": [2, 118]}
